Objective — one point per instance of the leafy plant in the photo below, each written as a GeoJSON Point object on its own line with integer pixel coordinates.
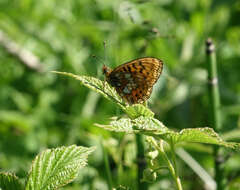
{"type": "Point", "coordinates": [141, 121]}
{"type": "Point", "coordinates": [41, 110]}
{"type": "Point", "coordinates": [51, 169]}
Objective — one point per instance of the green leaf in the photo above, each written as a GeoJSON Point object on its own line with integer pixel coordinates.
{"type": "Point", "coordinates": [201, 135]}
{"type": "Point", "coordinates": [9, 181]}
{"type": "Point", "coordinates": [138, 110]}
{"type": "Point", "coordinates": [153, 127]}
{"type": "Point", "coordinates": [97, 85]}
{"type": "Point", "coordinates": [141, 124]}
{"type": "Point", "coordinates": [110, 93]}
{"type": "Point", "coordinates": [54, 168]}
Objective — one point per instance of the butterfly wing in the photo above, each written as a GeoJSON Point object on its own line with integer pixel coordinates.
{"type": "Point", "coordinates": [134, 80]}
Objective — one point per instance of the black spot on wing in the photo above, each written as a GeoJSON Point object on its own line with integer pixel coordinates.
{"type": "Point", "coordinates": [141, 64]}
{"type": "Point", "coordinates": [134, 65]}
{"type": "Point", "coordinates": [129, 69]}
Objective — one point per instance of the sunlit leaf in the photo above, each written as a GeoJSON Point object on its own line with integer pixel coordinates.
{"type": "Point", "coordinates": [201, 135]}
{"type": "Point", "coordinates": [138, 110]}
{"type": "Point", "coordinates": [54, 168]}
{"type": "Point", "coordinates": [9, 181]}
{"type": "Point", "coordinates": [153, 127]}
{"type": "Point", "coordinates": [97, 85]}
{"type": "Point", "coordinates": [140, 124]}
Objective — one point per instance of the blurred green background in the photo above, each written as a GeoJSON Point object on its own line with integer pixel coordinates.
{"type": "Point", "coordinates": [40, 110]}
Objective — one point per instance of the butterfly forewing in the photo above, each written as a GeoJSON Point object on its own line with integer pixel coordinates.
{"type": "Point", "coordinates": [134, 80]}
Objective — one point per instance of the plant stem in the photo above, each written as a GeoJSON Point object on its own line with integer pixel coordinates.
{"type": "Point", "coordinates": [214, 101]}
{"type": "Point", "coordinates": [171, 166]}
{"type": "Point", "coordinates": [174, 163]}
{"type": "Point", "coordinates": [107, 168]}
{"type": "Point", "coordinates": [140, 162]}
{"type": "Point", "coordinates": [213, 86]}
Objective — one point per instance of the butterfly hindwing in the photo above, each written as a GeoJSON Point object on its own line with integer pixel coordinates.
{"type": "Point", "coordinates": [134, 80]}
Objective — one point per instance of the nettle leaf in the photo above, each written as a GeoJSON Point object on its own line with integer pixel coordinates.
{"type": "Point", "coordinates": [201, 135]}
{"type": "Point", "coordinates": [9, 181]}
{"type": "Point", "coordinates": [54, 168]}
{"type": "Point", "coordinates": [110, 93]}
{"type": "Point", "coordinates": [97, 85]}
{"type": "Point", "coordinates": [121, 125]}
{"type": "Point", "coordinates": [153, 127]}
{"type": "Point", "coordinates": [141, 124]}
{"type": "Point", "coordinates": [138, 110]}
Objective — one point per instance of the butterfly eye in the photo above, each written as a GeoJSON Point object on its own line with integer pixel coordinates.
{"type": "Point", "coordinates": [105, 70]}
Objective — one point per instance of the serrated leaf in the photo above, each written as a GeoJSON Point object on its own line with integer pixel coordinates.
{"type": "Point", "coordinates": [138, 110]}
{"type": "Point", "coordinates": [153, 127]}
{"type": "Point", "coordinates": [201, 135]}
{"type": "Point", "coordinates": [9, 181]}
{"type": "Point", "coordinates": [141, 124]}
{"type": "Point", "coordinates": [110, 93]}
{"type": "Point", "coordinates": [54, 168]}
{"type": "Point", "coordinates": [97, 85]}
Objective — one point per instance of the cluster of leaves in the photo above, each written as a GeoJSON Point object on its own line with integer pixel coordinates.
{"type": "Point", "coordinates": [39, 109]}
{"type": "Point", "coordinates": [141, 120]}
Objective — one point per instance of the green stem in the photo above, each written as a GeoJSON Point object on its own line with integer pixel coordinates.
{"type": "Point", "coordinates": [172, 145]}
{"type": "Point", "coordinates": [140, 162]}
{"type": "Point", "coordinates": [213, 86]}
{"type": "Point", "coordinates": [171, 166]}
{"type": "Point", "coordinates": [214, 102]}
{"type": "Point", "coordinates": [107, 167]}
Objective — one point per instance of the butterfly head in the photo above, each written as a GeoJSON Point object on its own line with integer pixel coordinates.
{"type": "Point", "coordinates": [106, 70]}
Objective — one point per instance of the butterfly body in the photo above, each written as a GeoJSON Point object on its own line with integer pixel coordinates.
{"type": "Point", "coordinates": [134, 80]}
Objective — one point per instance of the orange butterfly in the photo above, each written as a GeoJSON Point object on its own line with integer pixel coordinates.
{"type": "Point", "coordinates": [134, 80]}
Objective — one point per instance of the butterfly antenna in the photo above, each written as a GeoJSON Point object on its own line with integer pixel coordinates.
{"type": "Point", "coordinates": [104, 46]}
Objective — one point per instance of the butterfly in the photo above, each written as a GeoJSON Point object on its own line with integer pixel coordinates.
{"type": "Point", "coordinates": [134, 80]}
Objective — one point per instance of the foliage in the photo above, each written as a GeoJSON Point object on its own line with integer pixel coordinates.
{"type": "Point", "coordinates": [39, 109]}
{"type": "Point", "coordinates": [51, 169]}
{"type": "Point", "coordinates": [10, 182]}
{"type": "Point", "coordinates": [144, 123]}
